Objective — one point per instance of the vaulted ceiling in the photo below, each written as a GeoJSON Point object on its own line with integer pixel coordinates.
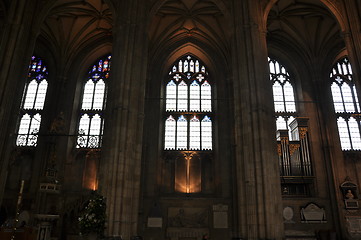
{"type": "Point", "coordinates": [73, 25]}
{"type": "Point", "coordinates": [304, 24]}
{"type": "Point", "coordinates": [200, 20]}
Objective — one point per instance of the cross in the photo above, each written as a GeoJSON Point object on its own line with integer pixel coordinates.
{"type": "Point", "coordinates": [177, 77]}
{"type": "Point", "coordinates": [200, 77]}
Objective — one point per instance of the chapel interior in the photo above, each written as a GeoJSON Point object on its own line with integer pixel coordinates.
{"type": "Point", "coordinates": [235, 119]}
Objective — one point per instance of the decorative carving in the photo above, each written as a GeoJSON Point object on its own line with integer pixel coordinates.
{"type": "Point", "coordinates": [313, 214]}
{"type": "Point", "coordinates": [302, 131]}
{"type": "Point", "coordinates": [284, 140]}
{"type": "Point", "coordinates": [188, 217]}
{"type": "Point", "coordinates": [293, 147]}
{"type": "Point", "coordinates": [279, 149]}
{"type": "Point", "coordinates": [349, 192]}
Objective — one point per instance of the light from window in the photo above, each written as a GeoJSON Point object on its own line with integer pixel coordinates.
{"type": "Point", "coordinates": [32, 103]}
{"type": "Point", "coordinates": [346, 105]}
{"type": "Point", "coordinates": [195, 134]}
{"type": "Point", "coordinates": [91, 121]}
{"type": "Point", "coordinates": [170, 128]}
{"type": "Point", "coordinates": [206, 133]}
{"type": "Point", "coordinates": [283, 95]}
{"type": "Point", "coordinates": [188, 97]}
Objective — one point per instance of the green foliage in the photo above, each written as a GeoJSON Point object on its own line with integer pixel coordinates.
{"type": "Point", "coordinates": [93, 216]}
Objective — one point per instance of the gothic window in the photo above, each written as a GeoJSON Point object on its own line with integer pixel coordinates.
{"type": "Point", "coordinates": [32, 103]}
{"type": "Point", "coordinates": [188, 123]}
{"type": "Point", "coordinates": [188, 104]}
{"type": "Point", "coordinates": [283, 95]}
{"type": "Point", "coordinates": [91, 122]}
{"type": "Point", "coordinates": [346, 105]}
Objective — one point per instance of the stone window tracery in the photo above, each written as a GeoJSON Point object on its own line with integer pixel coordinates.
{"type": "Point", "coordinates": [188, 124]}
{"type": "Point", "coordinates": [91, 121]}
{"type": "Point", "coordinates": [346, 105]}
{"type": "Point", "coordinates": [32, 103]}
{"type": "Point", "coordinates": [283, 95]}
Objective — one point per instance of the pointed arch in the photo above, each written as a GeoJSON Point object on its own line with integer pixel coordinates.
{"type": "Point", "coordinates": [91, 119]}
{"type": "Point", "coordinates": [346, 104]}
{"type": "Point", "coordinates": [32, 104]}
{"type": "Point", "coordinates": [188, 92]}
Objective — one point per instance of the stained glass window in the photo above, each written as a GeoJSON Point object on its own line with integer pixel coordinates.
{"type": "Point", "coordinates": [283, 95]}
{"type": "Point", "coordinates": [346, 105]}
{"type": "Point", "coordinates": [32, 103]}
{"type": "Point", "coordinates": [188, 124]}
{"type": "Point", "coordinates": [91, 122]}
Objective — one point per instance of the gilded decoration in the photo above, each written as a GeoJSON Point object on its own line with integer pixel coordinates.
{"type": "Point", "coordinates": [302, 131]}
{"type": "Point", "coordinates": [279, 149]}
{"type": "Point", "coordinates": [293, 147]}
{"type": "Point", "coordinates": [284, 140]}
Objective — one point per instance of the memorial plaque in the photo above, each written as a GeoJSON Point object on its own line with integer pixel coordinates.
{"type": "Point", "coordinates": [154, 222]}
{"type": "Point", "coordinates": [220, 220]}
{"type": "Point", "coordinates": [288, 214]}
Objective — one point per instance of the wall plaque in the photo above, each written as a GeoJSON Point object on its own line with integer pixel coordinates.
{"type": "Point", "coordinates": [220, 216]}
{"type": "Point", "coordinates": [155, 222]}
{"type": "Point", "coordinates": [313, 214]}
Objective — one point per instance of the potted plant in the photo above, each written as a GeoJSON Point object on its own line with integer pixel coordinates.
{"type": "Point", "coordinates": [92, 219]}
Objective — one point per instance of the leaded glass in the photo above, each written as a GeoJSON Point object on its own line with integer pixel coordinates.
{"type": "Point", "coordinates": [182, 133]}
{"type": "Point", "coordinates": [195, 134]}
{"type": "Point", "coordinates": [206, 133]}
{"type": "Point", "coordinates": [32, 103]}
{"type": "Point", "coordinates": [188, 95]}
{"type": "Point", "coordinates": [194, 97]}
{"type": "Point", "coordinates": [182, 97]}
{"type": "Point", "coordinates": [283, 95]}
{"type": "Point", "coordinates": [170, 130]}
{"type": "Point", "coordinates": [206, 97]}
{"type": "Point", "coordinates": [346, 105]}
{"type": "Point", "coordinates": [91, 122]}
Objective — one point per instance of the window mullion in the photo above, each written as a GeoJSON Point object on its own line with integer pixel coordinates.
{"type": "Point", "coordinates": [342, 98]}
{"type": "Point", "coordinates": [36, 94]}
{"type": "Point", "coordinates": [349, 132]}
{"type": "Point", "coordinates": [94, 88]}
{"type": "Point", "coordinates": [91, 115]}
{"type": "Point", "coordinates": [29, 128]}
{"type": "Point", "coordinates": [283, 97]}
{"type": "Point", "coordinates": [176, 132]}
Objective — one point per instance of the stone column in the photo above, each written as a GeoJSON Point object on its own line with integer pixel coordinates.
{"type": "Point", "coordinates": [258, 191]}
{"type": "Point", "coordinates": [352, 37]}
{"type": "Point", "coordinates": [17, 43]}
{"type": "Point", "coordinates": [121, 158]}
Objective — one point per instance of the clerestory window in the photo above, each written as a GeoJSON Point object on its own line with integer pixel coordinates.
{"type": "Point", "coordinates": [91, 121]}
{"type": "Point", "coordinates": [32, 103]}
{"type": "Point", "coordinates": [346, 105]}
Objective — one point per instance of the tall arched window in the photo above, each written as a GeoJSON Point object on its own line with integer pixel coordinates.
{"type": "Point", "coordinates": [188, 124]}
{"type": "Point", "coordinates": [346, 105]}
{"type": "Point", "coordinates": [283, 95]}
{"type": "Point", "coordinates": [91, 122]}
{"type": "Point", "coordinates": [32, 103]}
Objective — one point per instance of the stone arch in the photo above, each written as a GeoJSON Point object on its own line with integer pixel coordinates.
{"type": "Point", "coordinates": [330, 5]}
{"type": "Point", "coordinates": [189, 23]}
{"type": "Point", "coordinates": [72, 27]}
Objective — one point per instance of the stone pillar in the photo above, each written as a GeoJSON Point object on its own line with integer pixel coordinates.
{"type": "Point", "coordinates": [121, 158]}
{"type": "Point", "coordinates": [17, 43]}
{"type": "Point", "coordinates": [258, 190]}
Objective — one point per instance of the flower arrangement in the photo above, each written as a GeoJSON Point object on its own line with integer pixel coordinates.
{"type": "Point", "coordinates": [92, 219]}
